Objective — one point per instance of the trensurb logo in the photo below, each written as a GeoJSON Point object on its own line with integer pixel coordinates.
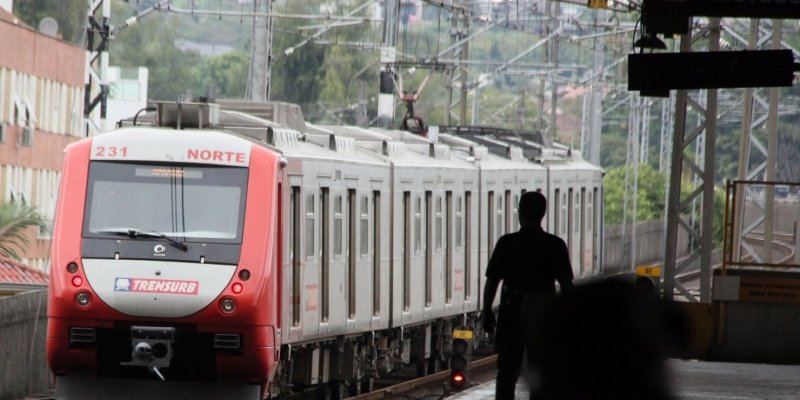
{"type": "Point", "coordinates": [122, 285]}
{"type": "Point", "coordinates": [156, 286]}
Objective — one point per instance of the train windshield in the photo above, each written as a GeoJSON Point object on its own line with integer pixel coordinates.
{"type": "Point", "coordinates": [190, 203]}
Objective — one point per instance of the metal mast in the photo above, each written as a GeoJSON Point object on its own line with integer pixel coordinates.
{"type": "Point", "coordinates": [258, 86]}
{"type": "Point", "coordinates": [391, 13]}
{"type": "Point", "coordinates": [95, 90]}
{"type": "Point", "coordinates": [703, 170]}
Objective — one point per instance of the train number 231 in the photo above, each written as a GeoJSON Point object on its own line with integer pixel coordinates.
{"type": "Point", "coordinates": [110, 151]}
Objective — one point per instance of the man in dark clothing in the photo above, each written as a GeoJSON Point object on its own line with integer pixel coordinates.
{"type": "Point", "coordinates": [529, 262]}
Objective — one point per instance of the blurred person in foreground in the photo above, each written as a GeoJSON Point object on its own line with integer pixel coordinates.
{"type": "Point", "coordinates": [605, 340]}
{"type": "Point", "coordinates": [528, 262]}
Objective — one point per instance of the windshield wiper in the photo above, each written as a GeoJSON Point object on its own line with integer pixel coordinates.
{"type": "Point", "coordinates": [135, 234]}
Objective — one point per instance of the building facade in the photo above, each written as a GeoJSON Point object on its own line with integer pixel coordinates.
{"type": "Point", "coordinates": [41, 112]}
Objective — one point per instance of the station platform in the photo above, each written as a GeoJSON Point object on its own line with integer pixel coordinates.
{"type": "Point", "coordinates": [700, 380]}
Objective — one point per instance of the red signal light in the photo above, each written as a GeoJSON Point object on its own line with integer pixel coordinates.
{"type": "Point", "coordinates": [457, 378]}
{"type": "Point", "coordinates": [237, 288]}
{"type": "Point", "coordinates": [77, 281]}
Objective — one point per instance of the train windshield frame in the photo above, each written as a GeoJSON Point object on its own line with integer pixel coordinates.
{"type": "Point", "coordinates": [191, 203]}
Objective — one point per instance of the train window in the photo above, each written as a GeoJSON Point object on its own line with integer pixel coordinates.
{"type": "Point", "coordinates": [499, 215]}
{"type": "Point", "coordinates": [568, 207]}
{"type": "Point", "coordinates": [596, 226]}
{"type": "Point", "coordinates": [459, 219]}
{"type": "Point", "coordinates": [173, 200]}
{"type": "Point", "coordinates": [294, 249]}
{"type": "Point", "coordinates": [406, 251]}
{"type": "Point", "coordinates": [428, 248]}
{"type": "Point", "coordinates": [351, 253]}
{"type": "Point", "coordinates": [590, 212]}
{"type": "Point", "coordinates": [338, 226]}
{"type": "Point", "coordinates": [376, 253]}
{"type": "Point", "coordinates": [515, 217]}
{"type": "Point", "coordinates": [564, 217]}
{"type": "Point", "coordinates": [557, 213]}
{"type": "Point", "coordinates": [439, 217]}
{"type": "Point", "coordinates": [364, 228]}
{"type": "Point", "coordinates": [418, 226]}
{"type": "Point", "coordinates": [468, 246]}
{"type": "Point", "coordinates": [507, 211]}
{"type": "Point", "coordinates": [325, 250]}
{"type": "Point", "coordinates": [309, 225]}
{"type": "Point", "coordinates": [582, 223]}
{"type": "Point", "coordinates": [490, 211]}
{"type": "Point", "coordinates": [448, 281]}
{"type": "Point", "coordinates": [577, 213]}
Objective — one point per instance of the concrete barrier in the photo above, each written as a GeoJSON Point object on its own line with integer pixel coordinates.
{"type": "Point", "coordinates": [650, 241]}
{"type": "Point", "coordinates": [23, 362]}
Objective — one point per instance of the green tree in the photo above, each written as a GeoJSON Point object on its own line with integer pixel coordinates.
{"type": "Point", "coordinates": [151, 43]}
{"type": "Point", "coordinates": [649, 197]}
{"type": "Point", "coordinates": [70, 15]}
{"type": "Point", "coordinates": [224, 76]}
{"type": "Point", "coordinates": [15, 218]}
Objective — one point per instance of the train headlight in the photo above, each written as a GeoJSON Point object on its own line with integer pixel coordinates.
{"type": "Point", "coordinates": [227, 305]}
{"type": "Point", "coordinates": [77, 281]}
{"type": "Point", "coordinates": [72, 268]}
{"type": "Point", "coordinates": [244, 274]}
{"type": "Point", "coordinates": [83, 299]}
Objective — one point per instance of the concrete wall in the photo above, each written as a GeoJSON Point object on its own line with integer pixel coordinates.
{"type": "Point", "coordinates": [23, 364]}
{"type": "Point", "coordinates": [650, 242]}
{"type": "Point", "coordinates": [756, 328]}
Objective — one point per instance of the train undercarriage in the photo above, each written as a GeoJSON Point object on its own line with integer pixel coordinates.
{"type": "Point", "coordinates": [350, 365]}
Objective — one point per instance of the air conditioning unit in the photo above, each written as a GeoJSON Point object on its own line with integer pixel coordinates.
{"type": "Point", "coordinates": [25, 138]}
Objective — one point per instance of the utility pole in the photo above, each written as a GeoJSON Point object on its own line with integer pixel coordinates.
{"type": "Point", "coordinates": [464, 58]}
{"type": "Point", "coordinates": [95, 90]}
{"type": "Point", "coordinates": [554, 11]}
{"type": "Point", "coordinates": [258, 86]}
{"type": "Point", "coordinates": [391, 13]}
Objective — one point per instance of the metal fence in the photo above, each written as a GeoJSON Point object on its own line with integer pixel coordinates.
{"type": "Point", "coordinates": [23, 364]}
{"type": "Point", "coordinates": [761, 228]}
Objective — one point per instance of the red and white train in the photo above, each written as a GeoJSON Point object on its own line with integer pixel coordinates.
{"type": "Point", "coordinates": [250, 260]}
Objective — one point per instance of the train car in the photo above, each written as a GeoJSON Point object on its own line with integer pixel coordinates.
{"type": "Point", "coordinates": [164, 248]}
{"type": "Point", "coordinates": [220, 252]}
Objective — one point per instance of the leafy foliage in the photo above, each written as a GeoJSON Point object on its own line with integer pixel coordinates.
{"type": "Point", "coordinates": [70, 15]}
{"type": "Point", "coordinates": [221, 76]}
{"type": "Point", "coordinates": [650, 196]}
{"type": "Point", "coordinates": [15, 218]}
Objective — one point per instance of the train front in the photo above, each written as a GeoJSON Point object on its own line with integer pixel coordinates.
{"type": "Point", "coordinates": [164, 248]}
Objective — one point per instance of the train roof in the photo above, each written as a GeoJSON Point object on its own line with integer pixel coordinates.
{"type": "Point", "coordinates": [454, 145]}
{"type": "Point", "coordinates": [399, 147]}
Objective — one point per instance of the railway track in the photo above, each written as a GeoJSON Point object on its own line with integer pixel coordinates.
{"type": "Point", "coordinates": [431, 386]}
